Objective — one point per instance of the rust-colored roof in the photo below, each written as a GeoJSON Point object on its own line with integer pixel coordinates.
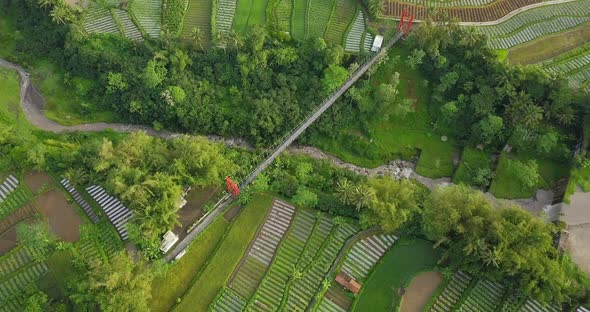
{"type": "Point", "coordinates": [348, 282]}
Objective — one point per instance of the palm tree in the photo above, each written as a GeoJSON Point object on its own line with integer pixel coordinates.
{"type": "Point", "coordinates": [46, 3]}
{"type": "Point", "coordinates": [363, 195]}
{"type": "Point", "coordinates": [344, 191]}
{"type": "Point", "coordinates": [532, 115]}
{"type": "Point", "coordinates": [197, 36]}
{"type": "Point", "coordinates": [236, 40]}
{"type": "Point", "coordinates": [61, 14]}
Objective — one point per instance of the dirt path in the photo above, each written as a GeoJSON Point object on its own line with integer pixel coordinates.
{"type": "Point", "coordinates": [32, 103]}
{"type": "Point", "coordinates": [420, 291]}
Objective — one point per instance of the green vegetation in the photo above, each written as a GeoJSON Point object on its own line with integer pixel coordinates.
{"type": "Point", "coordinates": [178, 279]}
{"type": "Point", "coordinates": [382, 134]}
{"type": "Point", "coordinates": [400, 264]}
{"type": "Point", "coordinates": [475, 168]}
{"type": "Point", "coordinates": [298, 19]}
{"type": "Point", "coordinates": [249, 13]}
{"type": "Point", "coordinates": [226, 257]}
{"type": "Point", "coordinates": [340, 19]}
{"type": "Point", "coordinates": [174, 15]}
{"type": "Point", "coordinates": [198, 16]}
{"type": "Point", "coordinates": [318, 17]}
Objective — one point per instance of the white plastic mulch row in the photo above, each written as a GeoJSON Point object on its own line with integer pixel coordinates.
{"type": "Point", "coordinates": [80, 200]}
{"type": "Point", "coordinates": [365, 254]}
{"type": "Point", "coordinates": [225, 15]}
{"type": "Point", "coordinates": [129, 29]}
{"type": "Point", "coordinates": [456, 3]}
{"type": "Point", "coordinates": [7, 187]}
{"type": "Point", "coordinates": [99, 20]}
{"type": "Point", "coordinates": [116, 212]}
{"type": "Point", "coordinates": [536, 23]}
{"type": "Point", "coordinates": [15, 284]}
{"type": "Point", "coordinates": [149, 16]}
{"type": "Point", "coordinates": [452, 292]}
{"type": "Point", "coordinates": [355, 34]}
{"type": "Point", "coordinates": [484, 297]}
{"type": "Point", "coordinates": [229, 302]}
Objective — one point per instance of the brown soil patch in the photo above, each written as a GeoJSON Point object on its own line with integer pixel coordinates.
{"type": "Point", "coordinates": [35, 180]}
{"type": "Point", "coordinates": [410, 90]}
{"type": "Point", "coordinates": [8, 241]}
{"type": "Point", "coordinates": [232, 213]}
{"type": "Point", "coordinates": [63, 219]}
{"type": "Point", "coordinates": [486, 13]}
{"type": "Point", "coordinates": [577, 245]}
{"type": "Point", "coordinates": [420, 291]}
{"type": "Point", "coordinates": [193, 210]}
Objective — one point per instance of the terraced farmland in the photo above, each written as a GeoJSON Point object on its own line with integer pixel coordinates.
{"type": "Point", "coordinates": [260, 254]}
{"type": "Point", "coordinates": [534, 306]}
{"type": "Point", "coordinates": [318, 17]}
{"type": "Point", "coordinates": [198, 15]}
{"type": "Point", "coordinates": [129, 29]}
{"type": "Point", "coordinates": [115, 211]}
{"type": "Point", "coordinates": [335, 300]}
{"type": "Point", "coordinates": [365, 254]}
{"type": "Point", "coordinates": [17, 216]}
{"type": "Point", "coordinates": [537, 22]}
{"type": "Point", "coordinates": [8, 186]}
{"type": "Point", "coordinates": [98, 19]}
{"type": "Point", "coordinates": [491, 12]}
{"type": "Point", "coordinates": [302, 262]}
{"type": "Point", "coordinates": [574, 65]}
{"type": "Point", "coordinates": [355, 34]}
{"type": "Point", "coordinates": [343, 16]}
{"type": "Point", "coordinates": [298, 19]}
{"type": "Point", "coordinates": [149, 15]}
{"type": "Point", "coordinates": [485, 297]}
{"type": "Point", "coordinates": [17, 272]}
{"type": "Point", "coordinates": [282, 14]}
{"type": "Point", "coordinates": [229, 301]}
{"type": "Point", "coordinates": [14, 201]}
{"type": "Point", "coordinates": [452, 292]}
{"type": "Point", "coordinates": [453, 3]}
{"type": "Point", "coordinates": [224, 16]}
{"type": "Point", "coordinates": [98, 242]}
{"type": "Point", "coordinates": [80, 200]}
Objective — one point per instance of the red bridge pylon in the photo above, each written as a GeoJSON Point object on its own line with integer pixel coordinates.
{"type": "Point", "coordinates": [232, 187]}
{"type": "Point", "coordinates": [405, 26]}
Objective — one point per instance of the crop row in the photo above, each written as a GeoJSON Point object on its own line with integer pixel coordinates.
{"type": "Point", "coordinates": [11, 262]}
{"type": "Point", "coordinates": [365, 254]}
{"type": "Point", "coordinates": [225, 15]}
{"type": "Point", "coordinates": [7, 186]}
{"type": "Point", "coordinates": [452, 292]}
{"type": "Point", "coordinates": [14, 201]}
{"type": "Point", "coordinates": [536, 23]}
{"type": "Point", "coordinates": [13, 285]}
{"type": "Point", "coordinates": [149, 15]}
{"type": "Point", "coordinates": [574, 65]}
{"type": "Point", "coordinates": [318, 17]}
{"type": "Point", "coordinates": [491, 12]}
{"type": "Point", "coordinates": [282, 14]}
{"type": "Point", "coordinates": [344, 14]}
{"type": "Point", "coordinates": [98, 19]}
{"type": "Point", "coordinates": [484, 297]}
{"type": "Point", "coordinates": [260, 254]}
{"type": "Point", "coordinates": [355, 34]}
{"type": "Point", "coordinates": [302, 290]}
{"type": "Point", "coordinates": [98, 241]}
{"type": "Point", "coordinates": [452, 3]}
{"type": "Point", "coordinates": [229, 301]}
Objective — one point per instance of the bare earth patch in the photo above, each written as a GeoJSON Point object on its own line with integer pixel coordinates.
{"type": "Point", "coordinates": [420, 291]}
{"type": "Point", "coordinates": [35, 180]}
{"type": "Point", "coordinates": [8, 240]}
{"type": "Point", "coordinates": [577, 245]}
{"type": "Point", "coordinates": [63, 219]}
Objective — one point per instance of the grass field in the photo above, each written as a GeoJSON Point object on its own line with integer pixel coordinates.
{"type": "Point", "coordinates": [400, 264]}
{"type": "Point", "coordinates": [396, 138]}
{"type": "Point", "coordinates": [249, 13]}
{"type": "Point", "coordinates": [298, 19]}
{"type": "Point", "coordinates": [198, 15]}
{"type": "Point", "coordinates": [10, 97]}
{"type": "Point", "coordinates": [550, 46]}
{"type": "Point", "coordinates": [165, 290]}
{"type": "Point", "coordinates": [65, 103]}
{"type": "Point", "coordinates": [221, 264]}
{"type": "Point", "coordinates": [507, 185]}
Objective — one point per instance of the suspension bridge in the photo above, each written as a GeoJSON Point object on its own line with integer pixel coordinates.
{"type": "Point", "coordinates": [274, 152]}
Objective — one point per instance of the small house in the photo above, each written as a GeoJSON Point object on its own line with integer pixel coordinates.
{"type": "Point", "coordinates": [377, 43]}
{"type": "Point", "coordinates": [348, 282]}
{"type": "Point", "coordinates": [168, 241]}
